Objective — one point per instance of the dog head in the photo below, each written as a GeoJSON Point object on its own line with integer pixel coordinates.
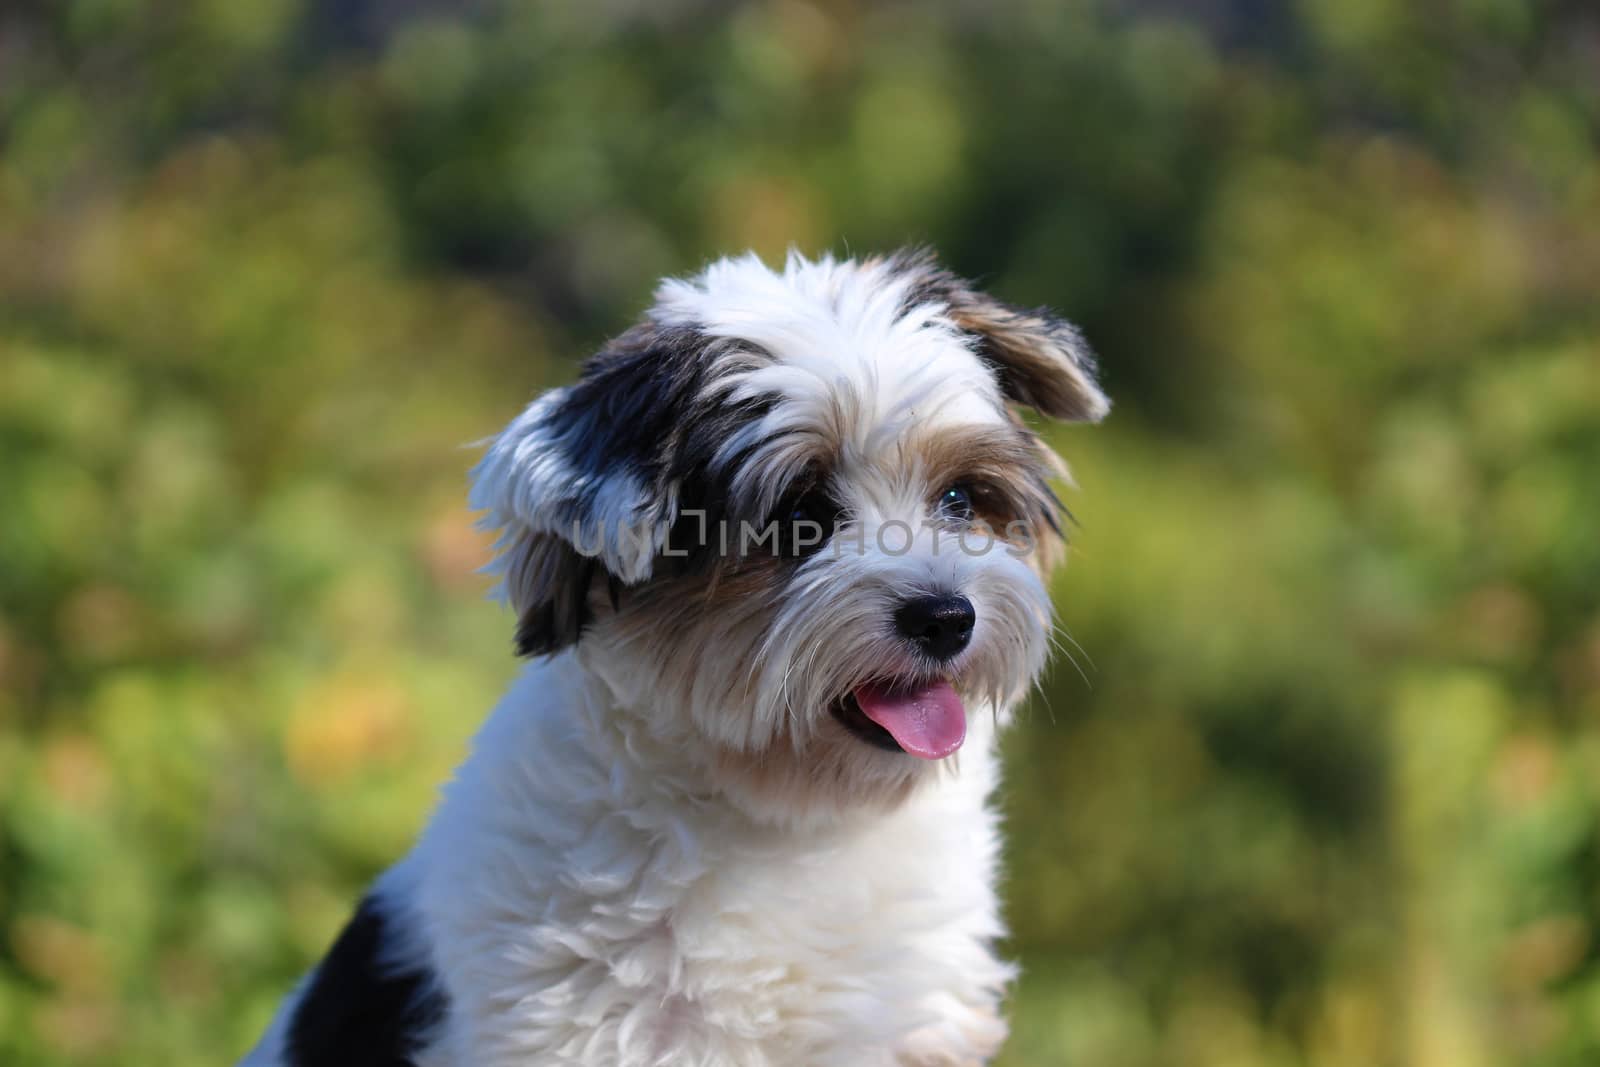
{"type": "Point", "coordinates": [794, 521]}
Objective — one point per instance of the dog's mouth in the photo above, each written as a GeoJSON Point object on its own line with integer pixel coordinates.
{"type": "Point", "coordinates": [925, 718]}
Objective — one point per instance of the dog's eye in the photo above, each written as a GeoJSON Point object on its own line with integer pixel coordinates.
{"type": "Point", "coordinates": [807, 523]}
{"type": "Point", "coordinates": [956, 503]}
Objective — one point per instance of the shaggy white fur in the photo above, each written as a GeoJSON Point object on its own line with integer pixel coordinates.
{"type": "Point", "coordinates": [595, 915]}
{"type": "Point", "coordinates": [693, 832]}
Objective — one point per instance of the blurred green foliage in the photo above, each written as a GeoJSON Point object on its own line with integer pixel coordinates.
{"type": "Point", "coordinates": [1327, 788]}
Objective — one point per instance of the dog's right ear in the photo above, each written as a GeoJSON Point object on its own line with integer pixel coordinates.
{"type": "Point", "coordinates": [578, 485]}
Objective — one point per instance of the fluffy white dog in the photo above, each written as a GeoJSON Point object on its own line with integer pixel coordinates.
{"type": "Point", "coordinates": [779, 557]}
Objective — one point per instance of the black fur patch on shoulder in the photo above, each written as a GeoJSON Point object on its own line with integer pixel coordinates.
{"type": "Point", "coordinates": [357, 1012]}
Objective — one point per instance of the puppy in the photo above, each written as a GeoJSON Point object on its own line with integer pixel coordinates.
{"type": "Point", "coordinates": [779, 559]}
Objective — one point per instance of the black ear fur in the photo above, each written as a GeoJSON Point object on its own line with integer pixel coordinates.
{"type": "Point", "coordinates": [550, 583]}
{"type": "Point", "coordinates": [586, 484]}
{"type": "Point", "coordinates": [1040, 359]}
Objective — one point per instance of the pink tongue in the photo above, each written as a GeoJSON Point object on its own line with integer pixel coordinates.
{"type": "Point", "coordinates": [928, 721]}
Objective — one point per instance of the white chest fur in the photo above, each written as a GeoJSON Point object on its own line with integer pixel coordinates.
{"type": "Point", "coordinates": [577, 916]}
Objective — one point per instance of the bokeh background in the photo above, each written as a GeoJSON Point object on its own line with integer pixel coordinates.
{"type": "Point", "coordinates": [1324, 786]}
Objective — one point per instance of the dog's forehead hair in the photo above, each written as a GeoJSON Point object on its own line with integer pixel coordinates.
{"type": "Point", "coordinates": [829, 339]}
{"type": "Point", "coordinates": [835, 366]}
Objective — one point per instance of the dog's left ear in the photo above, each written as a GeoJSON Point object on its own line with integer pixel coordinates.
{"type": "Point", "coordinates": [1040, 359]}
{"type": "Point", "coordinates": [578, 484]}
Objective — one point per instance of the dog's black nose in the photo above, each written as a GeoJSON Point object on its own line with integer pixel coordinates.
{"type": "Point", "coordinates": [939, 625]}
